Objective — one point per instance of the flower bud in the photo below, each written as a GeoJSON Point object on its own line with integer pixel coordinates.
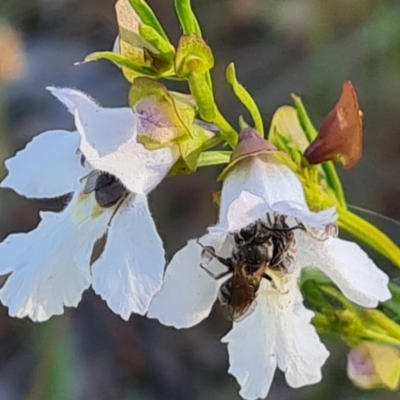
{"type": "Point", "coordinates": [374, 365]}
{"type": "Point", "coordinates": [252, 144]}
{"type": "Point", "coordinates": [340, 136]}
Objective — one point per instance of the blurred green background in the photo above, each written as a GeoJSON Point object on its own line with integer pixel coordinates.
{"type": "Point", "coordinates": [280, 46]}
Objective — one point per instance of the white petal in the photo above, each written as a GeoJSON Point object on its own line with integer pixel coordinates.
{"type": "Point", "coordinates": [131, 268]}
{"type": "Point", "coordinates": [117, 46]}
{"type": "Point", "coordinates": [302, 213]}
{"type": "Point", "coordinates": [278, 332]}
{"type": "Point", "coordinates": [45, 276]}
{"type": "Point", "coordinates": [243, 211]}
{"type": "Point", "coordinates": [188, 292]}
{"type": "Point", "coordinates": [348, 266]}
{"type": "Point", "coordinates": [272, 182]}
{"type": "Point", "coordinates": [109, 142]}
{"type": "Point", "coordinates": [49, 166]}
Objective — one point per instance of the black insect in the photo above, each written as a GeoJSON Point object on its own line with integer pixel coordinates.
{"type": "Point", "coordinates": [258, 248]}
{"type": "Point", "coordinates": [108, 190]}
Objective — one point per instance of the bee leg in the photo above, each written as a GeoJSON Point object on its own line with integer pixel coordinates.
{"type": "Point", "coordinates": [300, 225]}
{"type": "Point", "coordinates": [94, 172]}
{"type": "Point", "coordinates": [331, 231]}
{"type": "Point", "coordinates": [267, 277]}
{"type": "Point", "coordinates": [284, 229]}
{"type": "Point", "coordinates": [215, 276]}
{"type": "Point", "coordinates": [117, 207]}
{"type": "Point", "coordinates": [209, 251]}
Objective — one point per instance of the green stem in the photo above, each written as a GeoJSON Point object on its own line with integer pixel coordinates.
{"type": "Point", "coordinates": [333, 181]}
{"type": "Point", "coordinates": [308, 127]}
{"type": "Point", "coordinates": [379, 337]}
{"type": "Point", "coordinates": [187, 17]}
{"type": "Point", "coordinates": [369, 234]}
{"type": "Point", "coordinates": [384, 322]}
{"type": "Point", "coordinates": [228, 133]}
{"type": "Point", "coordinates": [211, 158]}
{"type": "Point", "coordinates": [339, 297]}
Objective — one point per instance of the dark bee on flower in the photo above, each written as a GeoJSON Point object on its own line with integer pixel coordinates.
{"type": "Point", "coordinates": [260, 249]}
{"type": "Point", "coordinates": [108, 190]}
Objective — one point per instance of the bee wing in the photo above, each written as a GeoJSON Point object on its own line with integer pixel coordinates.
{"type": "Point", "coordinates": [91, 182]}
{"type": "Point", "coordinates": [242, 296]}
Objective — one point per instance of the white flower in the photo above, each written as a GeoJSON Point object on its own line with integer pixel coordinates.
{"type": "Point", "coordinates": [52, 265]}
{"type": "Point", "coordinates": [276, 331]}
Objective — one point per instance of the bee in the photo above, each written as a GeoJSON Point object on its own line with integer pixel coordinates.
{"type": "Point", "coordinates": [108, 190]}
{"type": "Point", "coordinates": [259, 248]}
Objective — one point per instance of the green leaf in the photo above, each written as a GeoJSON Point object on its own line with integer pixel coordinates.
{"type": "Point", "coordinates": [163, 46]}
{"type": "Point", "coordinates": [246, 99]}
{"type": "Point", "coordinates": [210, 158]}
{"type": "Point", "coordinates": [190, 151]}
{"type": "Point", "coordinates": [369, 234]}
{"type": "Point", "coordinates": [147, 15]}
{"type": "Point", "coordinates": [120, 61]}
{"type": "Point", "coordinates": [187, 17]}
{"type": "Point", "coordinates": [142, 44]}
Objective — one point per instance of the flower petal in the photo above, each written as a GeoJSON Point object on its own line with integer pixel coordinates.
{"type": "Point", "coordinates": [244, 210]}
{"type": "Point", "coordinates": [303, 214]}
{"type": "Point", "coordinates": [278, 332]}
{"type": "Point", "coordinates": [130, 270]}
{"type": "Point", "coordinates": [109, 142]}
{"type": "Point", "coordinates": [348, 266]}
{"type": "Point", "coordinates": [45, 274]}
{"type": "Point", "coordinates": [49, 166]}
{"type": "Point", "coordinates": [270, 181]}
{"type": "Point", "coordinates": [188, 292]}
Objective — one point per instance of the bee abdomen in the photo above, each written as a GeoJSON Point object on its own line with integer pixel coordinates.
{"type": "Point", "coordinates": [108, 190]}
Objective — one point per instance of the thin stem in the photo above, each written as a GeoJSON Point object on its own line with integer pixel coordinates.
{"type": "Point", "coordinates": [379, 337]}
{"type": "Point", "coordinates": [228, 133]}
{"type": "Point", "coordinates": [333, 180]}
{"type": "Point", "coordinates": [339, 297]}
{"type": "Point", "coordinates": [383, 322]}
